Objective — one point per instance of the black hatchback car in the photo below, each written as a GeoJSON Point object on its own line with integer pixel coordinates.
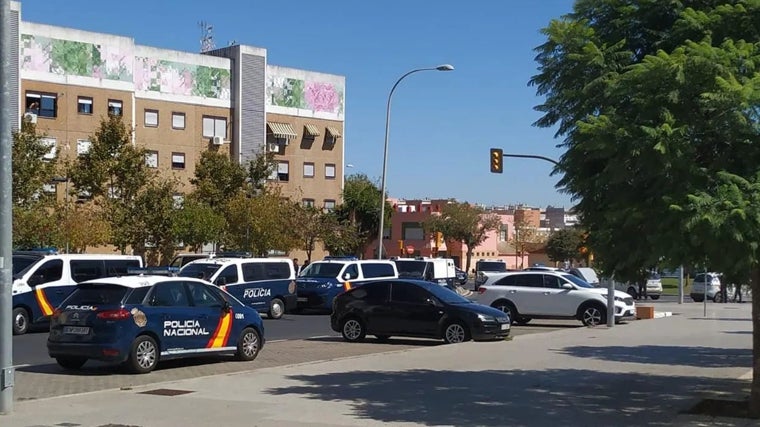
{"type": "Point", "coordinates": [414, 308]}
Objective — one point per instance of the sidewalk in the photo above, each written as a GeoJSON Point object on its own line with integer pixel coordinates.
{"type": "Point", "coordinates": [641, 373]}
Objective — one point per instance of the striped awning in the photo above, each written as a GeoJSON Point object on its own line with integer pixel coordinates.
{"type": "Point", "coordinates": [335, 133]}
{"type": "Point", "coordinates": [282, 130]}
{"type": "Point", "coordinates": [311, 130]}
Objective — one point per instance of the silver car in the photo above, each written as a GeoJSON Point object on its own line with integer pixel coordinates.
{"type": "Point", "coordinates": [705, 284]}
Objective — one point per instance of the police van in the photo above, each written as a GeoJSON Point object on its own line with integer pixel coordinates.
{"type": "Point", "coordinates": [266, 284]}
{"type": "Point", "coordinates": [42, 279]}
{"type": "Point", "coordinates": [436, 270]}
{"type": "Point", "coordinates": [320, 282]}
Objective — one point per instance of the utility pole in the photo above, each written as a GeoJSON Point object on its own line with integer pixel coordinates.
{"type": "Point", "coordinates": [6, 213]}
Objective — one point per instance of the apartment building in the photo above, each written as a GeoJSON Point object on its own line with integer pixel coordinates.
{"type": "Point", "coordinates": [180, 104]}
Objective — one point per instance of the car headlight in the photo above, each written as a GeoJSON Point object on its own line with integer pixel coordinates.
{"type": "Point", "coordinates": [486, 318]}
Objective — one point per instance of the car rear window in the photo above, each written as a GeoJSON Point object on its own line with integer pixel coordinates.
{"type": "Point", "coordinates": [491, 266]}
{"type": "Point", "coordinates": [97, 294]}
{"type": "Point", "coordinates": [199, 270]}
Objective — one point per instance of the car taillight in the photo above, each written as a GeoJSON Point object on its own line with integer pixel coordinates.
{"type": "Point", "coordinates": [119, 314]}
{"type": "Point", "coordinates": [481, 290]}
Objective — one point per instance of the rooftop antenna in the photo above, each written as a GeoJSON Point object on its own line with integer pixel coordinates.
{"type": "Point", "coordinates": [207, 36]}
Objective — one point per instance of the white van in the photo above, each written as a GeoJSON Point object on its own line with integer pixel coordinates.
{"type": "Point", "coordinates": [42, 280]}
{"type": "Point", "coordinates": [436, 270]}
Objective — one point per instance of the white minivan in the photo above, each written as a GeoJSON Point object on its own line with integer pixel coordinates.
{"type": "Point", "coordinates": [43, 279]}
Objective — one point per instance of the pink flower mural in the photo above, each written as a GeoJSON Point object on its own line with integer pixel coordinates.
{"type": "Point", "coordinates": [322, 97]}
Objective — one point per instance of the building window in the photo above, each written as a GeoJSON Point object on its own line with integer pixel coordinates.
{"type": "Point", "coordinates": [308, 170]}
{"type": "Point", "coordinates": [412, 231]}
{"type": "Point", "coordinates": [84, 105]}
{"type": "Point", "coordinates": [178, 120]}
{"type": "Point", "coordinates": [50, 143]}
{"type": "Point", "coordinates": [329, 205]}
{"type": "Point", "coordinates": [214, 126]}
{"type": "Point", "coordinates": [330, 171]}
{"type": "Point", "coordinates": [283, 171]}
{"type": "Point", "coordinates": [115, 107]}
{"type": "Point", "coordinates": [309, 203]}
{"type": "Point", "coordinates": [151, 159]}
{"type": "Point", "coordinates": [83, 146]}
{"type": "Point", "coordinates": [503, 233]}
{"type": "Point", "coordinates": [151, 118]}
{"type": "Point", "coordinates": [178, 160]}
{"type": "Point", "coordinates": [41, 104]}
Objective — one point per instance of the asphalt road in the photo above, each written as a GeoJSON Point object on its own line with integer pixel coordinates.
{"type": "Point", "coordinates": [30, 349]}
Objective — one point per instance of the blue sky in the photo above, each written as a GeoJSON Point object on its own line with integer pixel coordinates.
{"type": "Point", "coordinates": [442, 123]}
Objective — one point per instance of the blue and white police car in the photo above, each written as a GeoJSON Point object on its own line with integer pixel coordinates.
{"type": "Point", "coordinates": [142, 319]}
{"type": "Point", "coordinates": [320, 282]}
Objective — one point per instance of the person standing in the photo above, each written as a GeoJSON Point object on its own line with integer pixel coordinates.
{"type": "Point", "coordinates": [296, 266]}
{"type": "Point", "coordinates": [737, 293]}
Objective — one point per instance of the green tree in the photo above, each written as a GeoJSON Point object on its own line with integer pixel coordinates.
{"type": "Point", "coordinates": [153, 219]}
{"type": "Point", "coordinates": [564, 244]}
{"type": "Point", "coordinates": [113, 172]}
{"type": "Point", "coordinates": [30, 170]}
{"type": "Point", "coordinates": [308, 226]}
{"type": "Point", "coordinates": [34, 227]}
{"type": "Point", "coordinates": [259, 170]}
{"type": "Point", "coordinates": [80, 225]}
{"type": "Point", "coordinates": [342, 237]}
{"type": "Point", "coordinates": [658, 103]}
{"type": "Point", "coordinates": [526, 236]}
{"type": "Point", "coordinates": [259, 223]}
{"type": "Point", "coordinates": [197, 223]}
{"type": "Point", "coordinates": [217, 179]}
{"type": "Point", "coordinates": [463, 222]}
{"type": "Point", "coordinates": [361, 209]}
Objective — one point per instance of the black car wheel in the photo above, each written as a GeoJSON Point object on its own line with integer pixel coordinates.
{"type": "Point", "coordinates": [353, 330]}
{"type": "Point", "coordinates": [508, 308]}
{"type": "Point", "coordinates": [143, 356]}
{"type": "Point", "coordinates": [20, 321]}
{"type": "Point", "coordinates": [455, 332]}
{"type": "Point", "coordinates": [248, 345]}
{"type": "Point", "coordinates": [71, 362]}
{"type": "Point", "coordinates": [276, 308]}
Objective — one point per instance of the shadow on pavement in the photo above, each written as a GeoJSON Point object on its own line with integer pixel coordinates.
{"type": "Point", "coordinates": [721, 319]}
{"type": "Point", "coordinates": [95, 368]}
{"type": "Point", "coordinates": [702, 357]}
{"type": "Point", "coordinates": [738, 332]}
{"type": "Point", "coordinates": [511, 398]}
{"type": "Point", "coordinates": [391, 341]}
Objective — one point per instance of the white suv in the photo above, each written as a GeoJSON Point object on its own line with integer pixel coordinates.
{"type": "Point", "coordinates": [710, 281]}
{"type": "Point", "coordinates": [525, 295]}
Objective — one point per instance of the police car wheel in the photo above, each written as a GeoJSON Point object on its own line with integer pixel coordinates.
{"type": "Point", "coordinates": [248, 345]}
{"type": "Point", "coordinates": [353, 330]}
{"type": "Point", "coordinates": [276, 308]}
{"type": "Point", "coordinates": [143, 357]}
{"type": "Point", "coordinates": [71, 362]}
{"type": "Point", "coordinates": [20, 321]}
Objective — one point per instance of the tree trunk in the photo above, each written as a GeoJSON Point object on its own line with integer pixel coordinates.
{"type": "Point", "coordinates": [469, 258]}
{"type": "Point", "coordinates": [754, 397]}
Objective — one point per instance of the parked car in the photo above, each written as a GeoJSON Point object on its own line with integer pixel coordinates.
{"type": "Point", "coordinates": [461, 276]}
{"type": "Point", "coordinates": [586, 274]}
{"type": "Point", "coordinates": [484, 267]}
{"type": "Point", "coordinates": [705, 284]}
{"type": "Point", "coordinates": [143, 319]}
{"type": "Point", "coordinates": [525, 295]}
{"type": "Point", "coordinates": [653, 286]}
{"type": "Point", "coordinates": [414, 308]}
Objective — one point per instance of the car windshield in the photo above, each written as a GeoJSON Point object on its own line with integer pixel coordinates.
{"type": "Point", "coordinates": [97, 294]}
{"type": "Point", "coordinates": [22, 262]}
{"type": "Point", "coordinates": [199, 270]}
{"type": "Point", "coordinates": [491, 266]}
{"type": "Point", "coordinates": [654, 276]}
{"type": "Point", "coordinates": [322, 269]}
{"type": "Point", "coordinates": [411, 268]}
{"type": "Point", "coordinates": [447, 295]}
{"type": "Point", "coordinates": [576, 281]}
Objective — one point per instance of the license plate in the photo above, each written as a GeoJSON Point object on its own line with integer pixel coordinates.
{"type": "Point", "coordinates": [76, 330]}
{"type": "Point", "coordinates": [302, 299]}
{"type": "Point", "coordinates": [505, 326]}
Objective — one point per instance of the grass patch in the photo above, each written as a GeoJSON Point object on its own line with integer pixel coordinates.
{"type": "Point", "coordinates": [670, 285]}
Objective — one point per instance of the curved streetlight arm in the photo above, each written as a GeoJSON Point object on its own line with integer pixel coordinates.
{"type": "Point", "coordinates": [385, 151]}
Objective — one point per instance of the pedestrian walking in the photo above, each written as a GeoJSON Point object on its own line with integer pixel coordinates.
{"type": "Point", "coordinates": [737, 293]}
{"type": "Point", "coordinates": [296, 266]}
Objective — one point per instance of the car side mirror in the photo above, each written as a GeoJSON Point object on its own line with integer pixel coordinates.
{"type": "Point", "coordinates": [347, 276]}
{"type": "Point", "coordinates": [567, 286]}
{"type": "Point", "coordinates": [226, 307]}
{"type": "Point", "coordinates": [221, 281]}
{"type": "Point", "coordinates": [432, 302]}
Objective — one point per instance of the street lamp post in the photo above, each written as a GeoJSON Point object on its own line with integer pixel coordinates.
{"type": "Point", "coordinates": [443, 67]}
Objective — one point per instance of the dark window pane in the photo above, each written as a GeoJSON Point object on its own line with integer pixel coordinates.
{"type": "Point", "coordinates": [377, 270]}
{"type": "Point", "coordinates": [86, 269]}
{"type": "Point", "coordinates": [97, 294]}
{"type": "Point", "coordinates": [407, 293]}
{"type": "Point", "coordinates": [169, 294]}
{"type": "Point", "coordinates": [202, 297]}
{"type": "Point", "coordinates": [529, 280]}
{"type": "Point", "coordinates": [138, 295]}
{"type": "Point", "coordinates": [50, 271]}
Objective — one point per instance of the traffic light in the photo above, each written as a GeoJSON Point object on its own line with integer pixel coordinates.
{"type": "Point", "coordinates": [496, 165]}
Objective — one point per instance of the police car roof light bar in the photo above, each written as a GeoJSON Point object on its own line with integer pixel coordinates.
{"type": "Point", "coordinates": [153, 271]}
{"type": "Point", "coordinates": [234, 255]}
{"type": "Point", "coordinates": [341, 258]}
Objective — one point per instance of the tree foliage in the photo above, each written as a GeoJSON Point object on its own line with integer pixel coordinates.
{"type": "Point", "coordinates": [526, 236]}
{"type": "Point", "coordinates": [463, 222]}
{"type": "Point", "coordinates": [361, 210]}
{"type": "Point", "coordinates": [309, 226]}
{"type": "Point", "coordinates": [197, 223]}
{"type": "Point", "coordinates": [564, 244]}
{"type": "Point", "coordinates": [217, 179]}
{"type": "Point", "coordinates": [259, 223]}
{"type": "Point", "coordinates": [658, 103]}
{"type": "Point", "coordinates": [80, 226]}
{"type": "Point", "coordinates": [342, 237]}
{"type": "Point", "coordinates": [30, 170]}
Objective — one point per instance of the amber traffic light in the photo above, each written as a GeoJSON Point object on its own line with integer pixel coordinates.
{"type": "Point", "coordinates": [496, 165]}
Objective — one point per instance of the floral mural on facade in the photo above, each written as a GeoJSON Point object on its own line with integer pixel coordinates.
{"type": "Point", "coordinates": [178, 78]}
{"type": "Point", "coordinates": [304, 94]}
{"type": "Point", "coordinates": [67, 57]}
